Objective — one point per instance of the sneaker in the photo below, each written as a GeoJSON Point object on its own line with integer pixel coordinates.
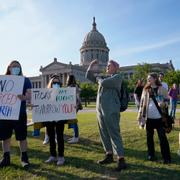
{"type": "Point", "coordinates": [25, 164]}
{"type": "Point", "coordinates": [24, 160]}
{"type": "Point", "coordinates": [60, 161]}
{"type": "Point", "coordinates": [46, 140]}
{"type": "Point", "coordinates": [121, 164]}
{"type": "Point", "coordinates": [73, 140]}
{"type": "Point", "coordinates": [5, 161]}
{"type": "Point", "coordinates": [107, 160]}
{"type": "Point", "coordinates": [51, 159]}
{"type": "Point", "coordinates": [151, 158]}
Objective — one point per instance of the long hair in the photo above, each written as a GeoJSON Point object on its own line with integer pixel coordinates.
{"type": "Point", "coordinates": [157, 82]}
{"type": "Point", "coordinates": [71, 80]}
{"type": "Point", "coordinates": [8, 68]}
{"type": "Point", "coordinates": [52, 79]}
{"type": "Point", "coordinates": [139, 82]}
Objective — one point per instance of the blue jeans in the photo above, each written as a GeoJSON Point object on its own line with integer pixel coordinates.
{"type": "Point", "coordinates": [173, 104]}
{"type": "Point", "coordinates": [75, 128]}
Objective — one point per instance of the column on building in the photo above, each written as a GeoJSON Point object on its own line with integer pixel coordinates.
{"type": "Point", "coordinates": [63, 79]}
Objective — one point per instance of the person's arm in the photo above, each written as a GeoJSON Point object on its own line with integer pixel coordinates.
{"type": "Point", "coordinates": [90, 71]}
{"type": "Point", "coordinates": [141, 113]}
{"type": "Point", "coordinates": [136, 99]}
{"type": "Point", "coordinates": [90, 75]}
{"type": "Point", "coordinates": [170, 92]}
{"type": "Point", "coordinates": [27, 95]}
{"type": "Point", "coordinates": [111, 82]}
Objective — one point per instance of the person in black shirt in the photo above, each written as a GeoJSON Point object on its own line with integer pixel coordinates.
{"type": "Point", "coordinates": [138, 92]}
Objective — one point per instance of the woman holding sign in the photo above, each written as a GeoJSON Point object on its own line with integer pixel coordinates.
{"type": "Point", "coordinates": [20, 125]}
{"type": "Point", "coordinates": [55, 128]}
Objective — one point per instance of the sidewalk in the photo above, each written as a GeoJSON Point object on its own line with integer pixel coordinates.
{"type": "Point", "coordinates": [94, 110]}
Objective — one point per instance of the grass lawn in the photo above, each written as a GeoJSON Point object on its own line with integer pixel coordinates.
{"type": "Point", "coordinates": [81, 158]}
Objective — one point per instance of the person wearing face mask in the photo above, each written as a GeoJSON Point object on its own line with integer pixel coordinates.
{"type": "Point", "coordinates": [46, 138]}
{"type": "Point", "coordinates": [55, 128]}
{"type": "Point", "coordinates": [108, 115]}
{"type": "Point", "coordinates": [19, 126]}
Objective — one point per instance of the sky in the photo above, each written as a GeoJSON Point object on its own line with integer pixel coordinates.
{"type": "Point", "coordinates": [34, 32]}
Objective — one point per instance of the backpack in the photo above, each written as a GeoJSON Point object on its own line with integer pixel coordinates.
{"type": "Point", "coordinates": [123, 97]}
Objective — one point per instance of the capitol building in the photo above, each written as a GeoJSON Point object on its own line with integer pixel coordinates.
{"type": "Point", "coordinates": [93, 47]}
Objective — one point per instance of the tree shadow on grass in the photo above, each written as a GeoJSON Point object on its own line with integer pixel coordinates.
{"type": "Point", "coordinates": [37, 171]}
{"type": "Point", "coordinates": [142, 155]}
{"type": "Point", "coordinates": [136, 169]}
{"type": "Point", "coordinates": [141, 171]}
{"type": "Point", "coordinates": [83, 144]}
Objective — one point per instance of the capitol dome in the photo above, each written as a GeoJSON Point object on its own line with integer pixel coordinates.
{"type": "Point", "coordinates": [94, 47]}
{"type": "Point", "coordinates": [94, 38]}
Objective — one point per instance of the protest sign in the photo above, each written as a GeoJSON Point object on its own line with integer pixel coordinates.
{"type": "Point", "coordinates": [53, 104]}
{"type": "Point", "coordinates": [10, 87]}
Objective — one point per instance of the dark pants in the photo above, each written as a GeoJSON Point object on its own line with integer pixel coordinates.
{"type": "Point", "coordinates": [152, 124]}
{"type": "Point", "coordinates": [58, 129]}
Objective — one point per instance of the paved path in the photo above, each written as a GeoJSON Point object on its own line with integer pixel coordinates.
{"type": "Point", "coordinates": [94, 110]}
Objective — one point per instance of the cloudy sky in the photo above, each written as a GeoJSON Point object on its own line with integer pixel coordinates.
{"type": "Point", "coordinates": [136, 31]}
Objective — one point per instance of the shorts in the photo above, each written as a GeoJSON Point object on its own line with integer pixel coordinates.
{"type": "Point", "coordinates": [19, 126]}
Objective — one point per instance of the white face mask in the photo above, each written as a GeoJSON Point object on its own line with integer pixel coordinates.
{"type": "Point", "coordinates": [55, 86]}
{"type": "Point", "coordinates": [15, 70]}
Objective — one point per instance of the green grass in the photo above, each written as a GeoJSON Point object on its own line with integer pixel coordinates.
{"type": "Point", "coordinates": [81, 158]}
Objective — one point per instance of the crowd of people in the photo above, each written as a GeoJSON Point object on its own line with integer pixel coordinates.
{"type": "Point", "coordinates": [149, 98]}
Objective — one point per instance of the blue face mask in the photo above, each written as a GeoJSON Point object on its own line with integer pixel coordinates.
{"type": "Point", "coordinates": [55, 86]}
{"type": "Point", "coordinates": [15, 70]}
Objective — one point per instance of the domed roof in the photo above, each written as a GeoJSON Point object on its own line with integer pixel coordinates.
{"type": "Point", "coordinates": [94, 38]}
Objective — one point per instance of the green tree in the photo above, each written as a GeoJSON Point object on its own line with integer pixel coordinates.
{"type": "Point", "coordinates": [172, 77]}
{"type": "Point", "coordinates": [140, 72]}
{"type": "Point", "coordinates": [88, 91]}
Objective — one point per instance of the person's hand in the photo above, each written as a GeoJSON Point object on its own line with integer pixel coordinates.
{"type": "Point", "coordinates": [21, 97]}
{"type": "Point", "coordinates": [141, 122]}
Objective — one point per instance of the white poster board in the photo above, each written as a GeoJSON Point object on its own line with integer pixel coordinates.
{"type": "Point", "coordinates": [53, 104]}
{"type": "Point", "coordinates": [10, 87]}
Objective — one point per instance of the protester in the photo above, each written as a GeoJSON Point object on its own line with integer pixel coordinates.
{"type": "Point", "coordinates": [138, 91]}
{"type": "Point", "coordinates": [20, 125]}
{"type": "Point", "coordinates": [173, 94]}
{"type": "Point", "coordinates": [164, 84]}
{"type": "Point", "coordinates": [71, 82]}
{"type": "Point", "coordinates": [55, 128]}
{"type": "Point", "coordinates": [149, 115]}
{"type": "Point", "coordinates": [108, 107]}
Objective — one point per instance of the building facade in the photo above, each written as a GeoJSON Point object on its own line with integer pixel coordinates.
{"type": "Point", "coordinates": [93, 47]}
{"type": "Point", "coordinates": [128, 71]}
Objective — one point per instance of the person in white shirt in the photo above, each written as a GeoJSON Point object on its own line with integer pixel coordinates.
{"type": "Point", "coordinates": [149, 116]}
{"type": "Point", "coordinates": [164, 84]}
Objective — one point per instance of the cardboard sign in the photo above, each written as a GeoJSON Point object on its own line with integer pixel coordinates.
{"type": "Point", "coordinates": [10, 87]}
{"type": "Point", "coordinates": [53, 104]}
